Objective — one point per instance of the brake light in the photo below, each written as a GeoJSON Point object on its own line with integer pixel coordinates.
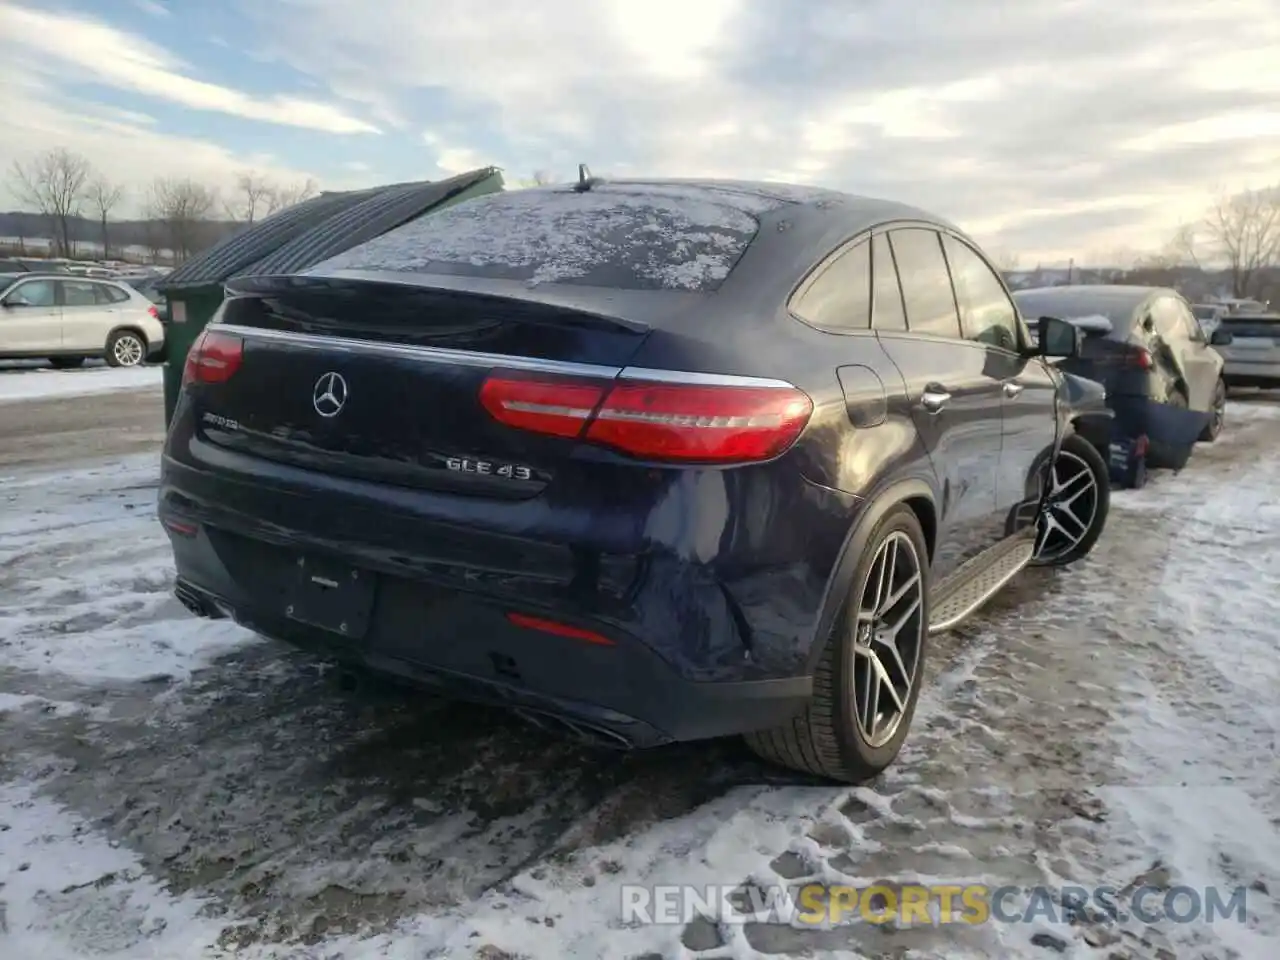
{"type": "Point", "coordinates": [560, 409]}
{"type": "Point", "coordinates": [155, 314]}
{"type": "Point", "coordinates": [656, 421]}
{"type": "Point", "coordinates": [1140, 357]}
{"type": "Point", "coordinates": [213, 358]}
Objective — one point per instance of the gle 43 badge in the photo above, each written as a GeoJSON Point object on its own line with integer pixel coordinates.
{"type": "Point", "coordinates": [489, 468]}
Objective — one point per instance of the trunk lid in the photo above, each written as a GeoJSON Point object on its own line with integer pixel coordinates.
{"type": "Point", "coordinates": [1108, 357]}
{"type": "Point", "coordinates": [381, 380]}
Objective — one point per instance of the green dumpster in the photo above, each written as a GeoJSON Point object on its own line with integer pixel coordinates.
{"type": "Point", "coordinates": [293, 240]}
{"type": "Point", "coordinates": [189, 313]}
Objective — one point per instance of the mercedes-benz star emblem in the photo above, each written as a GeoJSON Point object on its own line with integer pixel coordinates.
{"type": "Point", "coordinates": [329, 395]}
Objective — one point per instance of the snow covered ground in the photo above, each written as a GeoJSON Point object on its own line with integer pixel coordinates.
{"type": "Point", "coordinates": [31, 382]}
{"type": "Point", "coordinates": [179, 789]}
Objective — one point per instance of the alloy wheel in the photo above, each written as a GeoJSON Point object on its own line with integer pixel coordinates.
{"type": "Point", "coordinates": [888, 637]}
{"type": "Point", "coordinates": [128, 351]}
{"type": "Point", "coordinates": [1219, 409]}
{"type": "Point", "coordinates": [1068, 509]}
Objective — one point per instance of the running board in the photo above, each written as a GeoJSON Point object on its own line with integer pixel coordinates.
{"type": "Point", "coordinates": [977, 581]}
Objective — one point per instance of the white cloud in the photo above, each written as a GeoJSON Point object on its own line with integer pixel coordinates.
{"type": "Point", "coordinates": [51, 43]}
{"type": "Point", "coordinates": [1049, 130]}
{"type": "Point", "coordinates": [125, 148]}
{"type": "Point", "coordinates": [153, 8]}
{"type": "Point", "coordinates": [991, 113]}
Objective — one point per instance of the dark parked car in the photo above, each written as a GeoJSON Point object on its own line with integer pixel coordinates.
{"type": "Point", "coordinates": [644, 461]}
{"type": "Point", "coordinates": [1144, 345]}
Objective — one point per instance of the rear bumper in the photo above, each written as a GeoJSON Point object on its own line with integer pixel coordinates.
{"type": "Point", "coordinates": [622, 695]}
{"type": "Point", "coordinates": [1159, 422]}
{"type": "Point", "coordinates": [683, 664]}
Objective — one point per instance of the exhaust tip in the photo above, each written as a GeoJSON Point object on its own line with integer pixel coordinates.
{"type": "Point", "coordinates": [587, 734]}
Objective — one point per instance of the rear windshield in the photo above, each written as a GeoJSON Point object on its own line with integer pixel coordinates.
{"type": "Point", "coordinates": [1252, 326]}
{"type": "Point", "coordinates": [624, 238]}
{"type": "Point", "coordinates": [1204, 313]}
{"type": "Point", "coordinates": [1048, 303]}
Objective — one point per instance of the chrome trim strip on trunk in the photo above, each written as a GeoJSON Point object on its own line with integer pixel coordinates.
{"type": "Point", "coordinates": [469, 358]}
{"type": "Point", "coordinates": [466, 358]}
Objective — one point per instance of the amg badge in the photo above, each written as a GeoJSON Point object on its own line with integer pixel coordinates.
{"type": "Point", "coordinates": [489, 468]}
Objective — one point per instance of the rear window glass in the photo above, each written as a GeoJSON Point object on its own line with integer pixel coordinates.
{"type": "Point", "coordinates": [1251, 326]}
{"type": "Point", "coordinates": [639, 239]}
{"type": "Point", "coordinates": [1036, 305]}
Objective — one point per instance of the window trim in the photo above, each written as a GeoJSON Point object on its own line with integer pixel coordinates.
{"type": "Point", "coordinates": [886, 226]}
{"type": "Point", "coordinates": [1018, 333]}
{"type": "Point", "coordinates": [897, 278]}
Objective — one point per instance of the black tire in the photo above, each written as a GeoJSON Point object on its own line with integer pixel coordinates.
{"type": "Point", "coordinates": [115, 343]}
{"type": "Point", "coordinates": [66, 363]}
{"type": "Point", "coordinates": [1217, 414]}
{"type": "Point", "coordinates": [1080, 449]}
{"type": "Point", "coordinates": [825, 739]}
{"type": "Point", "coordinates": [1171, 456]}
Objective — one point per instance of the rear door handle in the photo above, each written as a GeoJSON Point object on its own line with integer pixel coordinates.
{"type": "Point", "coordinates": [934, 399]}
{"type": "Point", "coordinates": [1012, 388]}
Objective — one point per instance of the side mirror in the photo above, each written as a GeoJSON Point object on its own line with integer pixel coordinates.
{"type": "Point", "coordinates": [1058, 338]}
{"type": "Point", "coordinates": [1221, 338]}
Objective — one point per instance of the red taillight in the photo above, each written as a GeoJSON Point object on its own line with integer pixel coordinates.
{"type": "Point", "coordinates": [155, 314]}
{"type": "Point", "coordinates": [1140, 357]}
{"type": "Point", "coordinates": [560, 409]}
{"type": "Point", "coordinates": [213, 358]}
{"type": "Point", "coordinates": [657, 421]}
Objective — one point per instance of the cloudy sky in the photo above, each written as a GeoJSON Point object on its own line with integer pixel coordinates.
{"type": "Point", "coordinates": [1048, 128]}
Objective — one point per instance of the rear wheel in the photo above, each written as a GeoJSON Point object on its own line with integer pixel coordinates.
{"type": "Point", "coordinates": [125, 349]}
{"type": "Point", "coordinates": [1073, 511]}
{"type": "Point", "coordinates": [1217, 414]}
{"type": "Point", "coordinates": [66, 363]}
{"type": "Point", "coordinates": [868, 681]}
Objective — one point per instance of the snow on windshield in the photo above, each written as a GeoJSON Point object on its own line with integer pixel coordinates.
{"type": "Point", "coordinates": [652, 237]}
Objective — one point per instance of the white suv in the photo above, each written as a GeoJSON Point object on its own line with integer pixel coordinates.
{"type": "Point", "coordinates": [69, 319]}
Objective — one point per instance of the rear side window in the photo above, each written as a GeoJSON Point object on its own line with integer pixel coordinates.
{"type": "Point", "coordinates": [76, 294]}
{"type": "Point", "coordinates": [1248, 327]}
{"type": "Point", "coordinates": [926, 284]}
{"type": "Point", "coordinates": [840, 297]}
{"type": "Point", "coordinates": [665, 238]}
{"type": "Point", "coordinates": [886, 293]}
{"type": "Point", "coordinates": [108, 295]}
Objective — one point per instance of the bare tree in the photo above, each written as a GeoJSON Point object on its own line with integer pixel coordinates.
{"type": "Point", "coordinates": [540, 178]}
{"type": "Point", "coordinates": [1241, 231]}
{"type": "Point", "coordinates": [182, 206]}
{"type": "Point", "coordinates": [252, 197]}
{"type": "Point", "coordinates": [54, 183]}
{"type": "Point", "coordinates": [1004, 261]}
{"type": "Point", "coordinates": [282, 197]}
{"type": "Point", "coordinates": [104, 197]}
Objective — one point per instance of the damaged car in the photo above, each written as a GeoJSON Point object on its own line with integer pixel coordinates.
{"type": "Point", "coordinates": [1163, 376]}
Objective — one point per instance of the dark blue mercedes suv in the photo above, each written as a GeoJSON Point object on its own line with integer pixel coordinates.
{"type": "Point", "coordinates": [642, 460]}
